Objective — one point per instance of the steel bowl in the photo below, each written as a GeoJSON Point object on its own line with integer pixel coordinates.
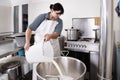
{"type": "Point", "coordinates": [69, 67]}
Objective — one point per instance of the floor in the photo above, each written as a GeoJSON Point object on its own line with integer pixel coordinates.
{"type": "Point", "coordinates": [28, 76]}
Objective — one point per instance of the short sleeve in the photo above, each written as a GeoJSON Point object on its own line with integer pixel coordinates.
{"type": "Point", "coordinates": [59, 27]}
{"type": "Point", "coordinates": [35, 24]}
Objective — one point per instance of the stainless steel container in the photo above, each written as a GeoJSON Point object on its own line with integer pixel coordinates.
{"type": "Point", "coordinates": [72, 34]}
{"type": "Point", "coordinates": [13, 69]}
{"type": "Point", "coordinates": [20, 41]}
{"type": "Point", "coordinates": [69, 67]}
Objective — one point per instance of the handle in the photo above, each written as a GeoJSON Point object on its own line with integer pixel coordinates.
{"type": "Point", "coordinates": [62, 52]}
{"type": "Point", "coordinates": [96, 37]}
{"type": "Point", "coordinates": [43, 47]}
{"type": "Point", "coordinates": [66, 30]}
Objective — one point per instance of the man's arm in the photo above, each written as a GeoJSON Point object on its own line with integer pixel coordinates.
{"type": "Point", "coordinates": [28, 37]}
{"type": "Point", "coordinates": [54, 35]}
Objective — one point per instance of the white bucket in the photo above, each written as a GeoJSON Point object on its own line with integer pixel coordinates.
{"type": "Point", "coordinates": [40, 52]}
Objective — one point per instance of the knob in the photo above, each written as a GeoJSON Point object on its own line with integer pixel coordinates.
{"type": "Point", "coordinates": [74, 45]}
{"type": "Point", "coordinates": [79, 45]}
{"type": "Point", "coordinates": [85, 46]}
{"type": "Point", "coordinates": [82, 46]}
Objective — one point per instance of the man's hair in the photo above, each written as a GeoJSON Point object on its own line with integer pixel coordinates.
{"type": "Point", "coordinates": [57, 7]}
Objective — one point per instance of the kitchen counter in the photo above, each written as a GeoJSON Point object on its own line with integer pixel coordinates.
{"type": "Point", "coordinates": [19, 34]}
{"type": "Point", "coordinates": [8, 48]}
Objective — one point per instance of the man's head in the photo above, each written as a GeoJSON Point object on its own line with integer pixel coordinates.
{"type": "Point", "coordinates": [56, 10]}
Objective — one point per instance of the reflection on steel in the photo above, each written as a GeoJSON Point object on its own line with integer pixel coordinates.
{"type": "Point", "coordinates": [106, 41]}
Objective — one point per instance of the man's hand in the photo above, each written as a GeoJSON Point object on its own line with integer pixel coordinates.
{"type": "Point", "coordinates": [26, 46]}
{"type": "Point", "coordinates": [47, 37]}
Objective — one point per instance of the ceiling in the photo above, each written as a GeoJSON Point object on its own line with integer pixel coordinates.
{"type": "Point", "coordinates": [12, 2]}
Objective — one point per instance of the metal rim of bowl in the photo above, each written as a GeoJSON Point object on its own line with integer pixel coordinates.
{"type": "Point", "coordinates": [69, 58]}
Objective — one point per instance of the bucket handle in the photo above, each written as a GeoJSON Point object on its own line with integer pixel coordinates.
{"type": "Point", "coordinates": [43, 47]}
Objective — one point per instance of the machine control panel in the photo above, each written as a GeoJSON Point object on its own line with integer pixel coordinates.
{"type": "Point", "coordinates": [81, 46]}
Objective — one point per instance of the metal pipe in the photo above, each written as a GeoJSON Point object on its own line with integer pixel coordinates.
{"type": "Point", "coordinates": [106, 41]}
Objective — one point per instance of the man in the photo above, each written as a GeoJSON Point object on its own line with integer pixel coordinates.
{"type": "Point", "coordinates": [47, 26]}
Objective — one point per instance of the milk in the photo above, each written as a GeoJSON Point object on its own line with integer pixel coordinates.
{"type": "Point", "coordinates": [62, 77]}
{"type": "Point", "coordinates": [66, 78]}
{"type": "Point", "coordinates": [58, 68]}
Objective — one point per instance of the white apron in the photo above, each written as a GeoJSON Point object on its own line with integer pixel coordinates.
{"type": "Point", "coordinates": [46, 27]}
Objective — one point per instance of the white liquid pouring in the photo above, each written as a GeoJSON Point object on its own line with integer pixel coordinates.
{"type": "Point", "coordinates": [62, 77]}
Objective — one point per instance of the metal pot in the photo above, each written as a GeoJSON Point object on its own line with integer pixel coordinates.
{"type": "Point", "coordinates": [97, 35]}
{"type": "Point", "coordinates": [69, 67]}
{"type": "Point", "coordinates": [13, 69]}
{"type": "Point", "coordinates": [72, 34]}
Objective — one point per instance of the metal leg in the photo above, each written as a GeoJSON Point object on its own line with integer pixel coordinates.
{"type": "Point", "coordinates": [93, 65]}
{"type": "Point", "coordinates": [34, 76]}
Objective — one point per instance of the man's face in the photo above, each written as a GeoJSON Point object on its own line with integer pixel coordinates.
{"type": "Point", "coordinates": [56, 14]}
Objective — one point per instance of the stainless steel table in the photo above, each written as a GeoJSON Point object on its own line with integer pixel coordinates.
{"type": "Point", "coordinates": [8, 48]}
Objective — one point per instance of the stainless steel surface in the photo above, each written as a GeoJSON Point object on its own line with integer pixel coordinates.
{"type": "Point", "coordinates": [85, 25]}
{"type": "Point", "coordinates": [4, 76]}
{"type": "Point", "coordinates": [8, 48]}
{"type": "Point", "coordinates": [5, 33]}
{"type": "Point", "coordinates": [106, 41]}
{"type": "Point", "coordinates": [94, 57]}
{"type": "Point", "coordinates": [82, 46]}
{"type": "Point", "coordinates": [86, 46]}
{"type": "Point", "coordinates": [69, 66]}
{"type": "Point", "coordinates": [4, 39]}
{"type": "Point", "coordinates": [17, 34]}
{"type": "Point", "coordinates": [88, 43]}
